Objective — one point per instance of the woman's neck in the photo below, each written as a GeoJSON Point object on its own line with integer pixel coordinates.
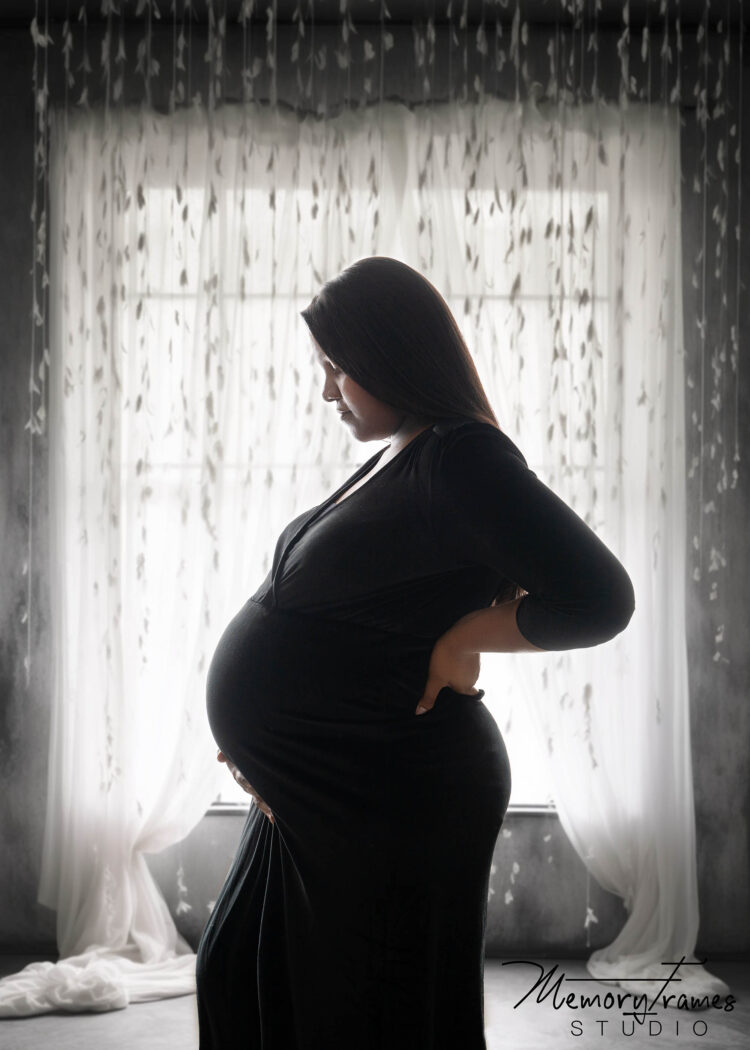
{"type": "Point", "coordinates": [401, 437]}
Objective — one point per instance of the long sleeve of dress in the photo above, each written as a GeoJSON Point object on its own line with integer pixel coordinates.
{"type": "Point", "coordinates": [496, 512]}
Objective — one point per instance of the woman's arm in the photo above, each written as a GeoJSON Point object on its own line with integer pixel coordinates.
{"type": "Point", "coordinates": [492, 630]}
{"type": "Point", "coordinates": [455, 656]}
{"type": "Point", "coordinates": [492, 510]}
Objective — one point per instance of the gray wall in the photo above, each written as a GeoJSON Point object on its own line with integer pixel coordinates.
{"type": "Point", "coordinates": [719, 672]}
{"type": "Point", "coordinates": [548, 909]}
{"type": "Point", "coordinates": [537, 908]}
{"type": "Point", "coordinates": [24, 710]}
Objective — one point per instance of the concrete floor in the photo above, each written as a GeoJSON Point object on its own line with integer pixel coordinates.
{"type": "Point", "coordinates": [170, 1024]}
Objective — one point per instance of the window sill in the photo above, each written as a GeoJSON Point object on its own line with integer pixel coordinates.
{"type": "Point", "coordinates": [224, 809]}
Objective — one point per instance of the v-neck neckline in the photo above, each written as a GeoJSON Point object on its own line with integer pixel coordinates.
{"type": "Point", "coordinates": [350, 482]}
{"type": "Point", "coordinates": [330, 503]}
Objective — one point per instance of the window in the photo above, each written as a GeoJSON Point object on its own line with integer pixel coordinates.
{"type": "Point", "coordinates": [224, 254]}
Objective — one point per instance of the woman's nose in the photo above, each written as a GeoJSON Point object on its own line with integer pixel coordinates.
{"type": "Point", "coordinates": [330, 389]}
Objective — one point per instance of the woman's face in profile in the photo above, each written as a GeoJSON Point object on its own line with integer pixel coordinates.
{"type": "Point", "coordinates": [366, 416]}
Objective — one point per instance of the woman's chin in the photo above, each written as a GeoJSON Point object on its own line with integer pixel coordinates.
{"type": "Point", "coordinates": [347, 418]}
{"type": "Point", "coordinates": [357, 427]}
{"type": "Point", "coordinates": [360, 430]}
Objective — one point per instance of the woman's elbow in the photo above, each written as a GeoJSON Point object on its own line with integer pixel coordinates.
{"type": "Point", "coordinates": [615, 606]}
{"type": "Point", "coordinates": [577, 621]}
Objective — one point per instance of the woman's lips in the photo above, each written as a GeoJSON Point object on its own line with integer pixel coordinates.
{"type": "Point", "coordinates": [344, 414]}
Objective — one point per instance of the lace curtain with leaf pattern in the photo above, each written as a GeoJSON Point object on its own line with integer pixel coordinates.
{"type": "Point", "coordinates": [195, 185]}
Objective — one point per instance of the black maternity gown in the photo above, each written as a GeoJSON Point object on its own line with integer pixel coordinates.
{"type": "Point", "coordinates": [356, 921]}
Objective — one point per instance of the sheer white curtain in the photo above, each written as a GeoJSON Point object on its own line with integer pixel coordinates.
{"type": "Point", "coordinates": [592, 385]}
{"type": "Point", "coordinates": [186, 428]}
{"type": "Point", "coordinates": [559, 227]}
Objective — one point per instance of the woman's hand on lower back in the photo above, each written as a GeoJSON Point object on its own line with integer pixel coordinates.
{"type": "Point", "coordinates": [245, 785]}
{"type": "Point", "coordinates": [455, 658]}
{"type": "Point", "coordinates": [449, 666]}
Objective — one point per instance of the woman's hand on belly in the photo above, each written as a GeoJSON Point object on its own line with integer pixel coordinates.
{"type": "Point", "coordinates": [451, 666]}
{"type": "Point", "coordinates": [245, 785]}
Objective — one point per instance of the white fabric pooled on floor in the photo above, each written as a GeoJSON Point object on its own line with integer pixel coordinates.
{"type": "Point", "coordinates": [93, 982]}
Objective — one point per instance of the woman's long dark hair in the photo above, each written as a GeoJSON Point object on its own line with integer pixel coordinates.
{"type": "Point", "coordinates": [388, 328]}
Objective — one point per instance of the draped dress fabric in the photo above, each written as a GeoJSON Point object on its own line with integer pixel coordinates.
{"type": "Point", "coordinates": [357, 919]}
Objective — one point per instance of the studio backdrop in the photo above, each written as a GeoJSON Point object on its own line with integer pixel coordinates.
{"type": "Point", "coordinates": [185, 423]}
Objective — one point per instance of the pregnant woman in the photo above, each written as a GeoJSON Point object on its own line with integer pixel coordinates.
{"type": "Point", "coordinates": [342, 695]}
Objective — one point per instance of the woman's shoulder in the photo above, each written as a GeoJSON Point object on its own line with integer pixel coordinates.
{"type": "Point", "coordinates": [471, 438]}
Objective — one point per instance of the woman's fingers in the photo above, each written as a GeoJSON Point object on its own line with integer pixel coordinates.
{"type": "Point", "coordinates": [263, 808]}
{"type": "Point", "coordinates": [431, 691]}
{"type": "Point", "coordinates": [246, 786]}
{"type": "Point", "coordinates": [260, 803]}
{"type": "Point", "coordinates": [450, 667]}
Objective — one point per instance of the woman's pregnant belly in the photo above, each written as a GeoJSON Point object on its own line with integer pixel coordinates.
{"type": "Point", "coordinates": [273, 663]}
{"type": "Point", "coordinates": [319, 717]}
